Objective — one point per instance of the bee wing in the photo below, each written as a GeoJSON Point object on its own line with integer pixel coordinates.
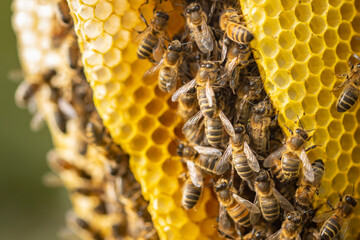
{"type": "Point", "coordinates": [284, 203]}
{"type": "Point", "coordinates": [154, 68]}
{"type": "Point", "coordinates": [208, 150]}
{"type": "Point", "coordinates": [251, 158]}
{"type": "Point", "coordinates": [183, 89]}
{"type": "Point", "coordinates": [307, 168]}
{"type": "Point", "coordinates": [323, 216]}
{"type": "Point", "coordinates": [158, 51]}
{"type": "Point", "coordinates": [275, 235]}
{"type": "Point", "coordinates": [226, 154]}
{"type": "Point", "coordinates": [206, 38]}
{"type": "Point", "coordinates": [195, 174]}
{"type": "Point", "coordinates": [344, 228]}
{"type": "Point", "coordinates": [209, 93]}
{"type": "Point", "coordinates": [275, 155]}
{"type": "Point", "coordinates": [230, 66]}
{"type": "Point", "coordinates": [249, 205]}
{"type": "Point", "coordinates": [227, 124]}
{"type": "Point", "coordinates": [223, 52]}
{"type": "Point", "coordinates": [193, 120]}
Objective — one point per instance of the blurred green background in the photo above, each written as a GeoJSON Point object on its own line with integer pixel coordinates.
{"type": "Point", "coordinates": [28, 209]}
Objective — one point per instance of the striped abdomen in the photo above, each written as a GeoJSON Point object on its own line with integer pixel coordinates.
{"type": "Point", "coordinates": [214, 131]}
{"type": "Point", "coordinates": [167, 78]}
{"type": "Point", "coordinates": [205, 108]}
{"type": "Point", "coordinates": [191, 195]}
{"type": "Point", "coordinates": [239, 214]}
{"type": "Point", "coordinates": [147, 45]}
{"type": "Point", "coordinates": [212, 165]}
{"type": "Point", "coordinates": [239, 33]}
{"type": "Point", "coordinates": [270, 208]}
{"type": "Point", "coordinates": [241, 165]}
{"type": "Point", "coordinates": [259, 134]}
{"type": "Point", "coordinates": [347, 98]}
{"type": "Point", "coordinates": [277, 171]}
{"type": "Point", "coordinates": [331, 227]}
{"type": "Point", "coordinates": [318, 168]}
{"type": "Point", "coordinates": [290, 165]}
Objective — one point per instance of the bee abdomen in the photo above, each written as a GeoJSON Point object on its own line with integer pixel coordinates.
{"type": "Point", "coordinates": [270, 209]}
{"type": "Point", "coordinates": [146, 46]}
{"type": "Point", "coordinates": [331, 228]}
{"type": "Point", "coordinates": [239, 34]}
{"type": "Point", "coordinates": [191, 195]}
{"type": "Point", "coordinates": [214, 131]}
{"type": "Point", "coordinates": [206, 110]}
{"type": "Point", "coordinates": [166, 79]}
{"type": "Point", "coordinates": [239, 214]}
{"type": "Point", "coordinates": [241, 166]}
{"type": "Point", "coordinates": [290, 165]}
{"type": "Point", "coordinates": [347, 99]}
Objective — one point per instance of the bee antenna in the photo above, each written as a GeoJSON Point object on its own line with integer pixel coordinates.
{"type": "Point", "coordinates": [299, 121]}
{"type": "Point", "coordinates": [179, 4]}
{"type": "Point", "coordinates": [310, 130]}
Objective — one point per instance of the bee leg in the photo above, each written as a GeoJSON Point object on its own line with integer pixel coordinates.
{"type": "Point", "coordinates": [329, 204]}
{"type": "Point", "coordinates": [312, 147]}
{"type": "Point", "coordinates": [142, 17]}
{"type": "Point", "coordinates": [290, 131]}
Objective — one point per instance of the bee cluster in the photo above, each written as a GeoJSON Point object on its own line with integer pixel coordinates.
{"type": "Point", "coordinates": [107, 200]}
{"type": "Point", "coordinates": [264, 182]}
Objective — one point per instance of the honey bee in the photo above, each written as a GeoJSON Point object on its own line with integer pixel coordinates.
{"type": "Point", "coordinates": [304, 195]}
{"type": "Point", "coordinates": [238, 208]}
{"type": "Point", "coordinates": [188, 105]}
{"type": "Point", "coordinates": [235, 30]}
{"type": "Point", "coordinates": [150, 36]}
{"type": "Point", "coordinates": [259, 127]}
{"type": "Point", "coordinates": [351, 92]}
{"type": "Point", "coordinates": [244, 160]}
{"type": "Point", "coordinates": [311, 234]}
{"type": "Point", "coordinates": [79, 225]}
{"type": "Point", "coordinates": [191, 194]}
{"type": "Point", "coordinates": [24, 93]}
{"type": "Point", "coordinates": [63, 13]}
{"type": "Point", "coordinates": [73, 54]}
{"type": "Point", "coordinates": [270, 200]}
{"type": "Point", "coordinates": [226, 226]}
{"type": "Point", "coordinates": [168, 67]}
{"type": "Point", "coordinates": [291, 154]}
{"type": "Point", "coordinates": [290, 228]}
{"type": "Point", "coordinates": [260, 231]}
{"type": "Point", "coordinates": [195, 134]}
{"type": "Point", "coordinates": [337, 220]}
{"type": "Point", "coordinates": [196, 21]}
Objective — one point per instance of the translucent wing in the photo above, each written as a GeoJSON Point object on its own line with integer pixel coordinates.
{"type": "Point", "coordinates": [284, 203]}
{"type": "Point", "coordinates": [208, 150]}
{"type": "Point", "coordinates": [223, 51]}
{"type": "Point", "coordinates": [227, 124]}
{"type": "Point", "coordinates": [249, 205]}
{"type": "Point", "coordinates": [185, 88]}
{"type": "Point", "coordinates": [154, 68]}
{"type": "Point", "coordinates": [230, 66]}
{"type": "Point", "coordinates": [226, 154]}
{"type": "Point", "coordinates": [255, 216]}
{"type": "Point", "coordinates": [207, 38]}
{"type": "Point", "coordinates": [138, 38]}
{"type": "Point", "coordinates": [344, 228]}
{"type": "Point", "coordinates": [275, 155]}
{"type": "Point", "coordinates": [307, 168]}
{"type": "Point", "coordinates": [158, 51]}
{"type": "Point", "coordinates": [193, 120]}
{"type": "Point", "coordinates": [323, 216]}
{"type": "Point", "coordinates": [251, 158]}
{"type": "Point", "coordinates": [195, 174]}
{"type": "Point", "coordinates": [209, 93]}
{"type": "Point", "coordinates": [275, 235]}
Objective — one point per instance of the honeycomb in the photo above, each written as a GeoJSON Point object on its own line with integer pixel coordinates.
{"type": "Point", "coordinates": [301, 46]}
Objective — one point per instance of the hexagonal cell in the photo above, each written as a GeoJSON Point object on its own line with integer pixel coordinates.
{"type": "Point", "coordinates": [211, 207]}
{"type": "Point", "coordinates": [330, 169]}
{"type": "Point", "coordinates": [335, 129]}
{"type": "Point", "coordinates": [172, 167]}
{"type": "Point", "coordinates": [307, 121]}
{"type": "Point", "coordinates": [159, 93]}
{"type": "Point", "coordinates": [206, 227]}
{"type": "Point", "coordinates": [329, 57]}
{"type": "Point", "coordinates": [168, 118]}
{"type": "Point", "coordinates": [357, 135]}
{"type": "Point", "coordinates": [160, 135]}
{"type": "Point", "coordinates": [287, 20]}
{"type": "Point", "coordinates": [319, 6]}
{"type": "Point", "coordinates": [269, 47]}
{"type": "Point", "coordinates": [288, 4]}
{"type": "Point", "coordinates": [347, 11]}
{"type": "Point", "coordinates": [355, 44]}
{"type": "Point", "coordinates": [341, 67]}
{"type": "Point", "coordinates": [325, 98]}
{"type": "Point", "coordinates": [284, 59]}
{"type": "Point", "coordinates": [271, 9]}
{"type": "Point", "coordinates": [338, 182]}
{"type": "Point", "coordinates": [134, 112]}
{"type": "Point", "coordinates": [162, 204]}
{"type": "Point", "coordinates": [332, 149]}
{"type": "Point", "coordinates": [168, 185]}
{"type": "Point", "coordinates": [296, 91]}
{"type": "Point", "coordinates": [356, 24]}
{"type": "Point", "coordinates": [343, 162]}
{"type": "Point", "coordinates": [355, 155]}
{"type": "Point", "coordinates": [303, 12]}
{"type": "Point", "coordinates": [301, 52]}
{"type": "Point", "coordinates": [258, 15]}
{"type": "Point", "coordinates": [324, 188]}
{"type": "Point", "coordinates": [176, 217]}
{"type": "Point", "coordinates": [286, 39]}
{"type": "Point", "coordinates": [335, 3]}
{"type": "Point", "coordinates": [317, 25]}
{"type": "Point", "coordinates": [315, 64]}
{"type": "Point", "coordinates": [138, 143]}
{"type": "Point", "coordinates": [349, 122]}
{"type": "Point", "coordinates": [142, 94]}
{"type": "Point", "coordinates": [146, 124]}
{"type": "Point", "coordinates": [322, 117]}
{"type": "Point", "coordinates": [282, 79]}
{"type": "Point", "coordinates": [271, 65]}
{"type": "Point", "coordinates": [302, 32]}
{"type": "Point", "coordinates": [334, 112]}
{"type": "Point", "coordinates": [299, 72]}
{"type": "Point", "coordinates": [353, 173]}
{"type": "Point", "coordinates": [189, 231]}
{"type": "Point", "coordinates": [316, 44]}
{"type": "Point", "coordinates": [357, 5]}
{"type": "Point", "coordinates": [271, 27]}
{"type": "Point", "coordinates": [126, 131]}
{"type": "Point", "coordinates": [331, 37]}
{"type": "Point", "coordinates": [320, 136]}
{"type": "Point", "coordinates": [327, 77]}
{"type": "Point", "coordinates": [343, 51]}
{"type": "Point", "coordinates": [344, 31]}
{"type": "Point", "coordinates": [292, 110]}
{"type": "Point", "coordinates": [312, 84]}
{"type": "Point", "coordinates": [155, 106]}
{"type": "Point", "coordinates": [333, 17]}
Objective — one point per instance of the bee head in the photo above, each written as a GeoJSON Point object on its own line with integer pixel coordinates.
{"type": "Point", "coordinates": [302, 133]}
{"type": "Point", "coordinates": [180, 150]}
{"type": "Point", "coordinates": [350, 200]}
{"type": "Point", "coordinates": [193, 7]}
{"type": "Point", "coordinates": [294, 217]}
{"type": "Point", "coordinates": [259, 235]}
{"type": "Point", "coordinates": [263, 176]}
{"type": "Point", "coordinates": [161, 14]}
{"type": "Point", "coordinates": [239, 128]}
{"type": "Point", "coordinates": [175, 46]}
{"type": "Point", "coordinates": [220, 185]}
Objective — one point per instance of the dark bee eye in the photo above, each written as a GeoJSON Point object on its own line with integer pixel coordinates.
{"type": "Point", "coordinates": [171, 48]}
{"type": "Point", "coordinates": [209, 65]}
{"type": "Point", "coordinates": [197, 7]}
{"type": "Point", "coordinates": [166, 16]}
{"type": "Point", "coordinates": [289, 217]}
{"type": "Point", "coordinates": [158, 14]}
{"type": "Point", "coordinates": [298, 131]}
